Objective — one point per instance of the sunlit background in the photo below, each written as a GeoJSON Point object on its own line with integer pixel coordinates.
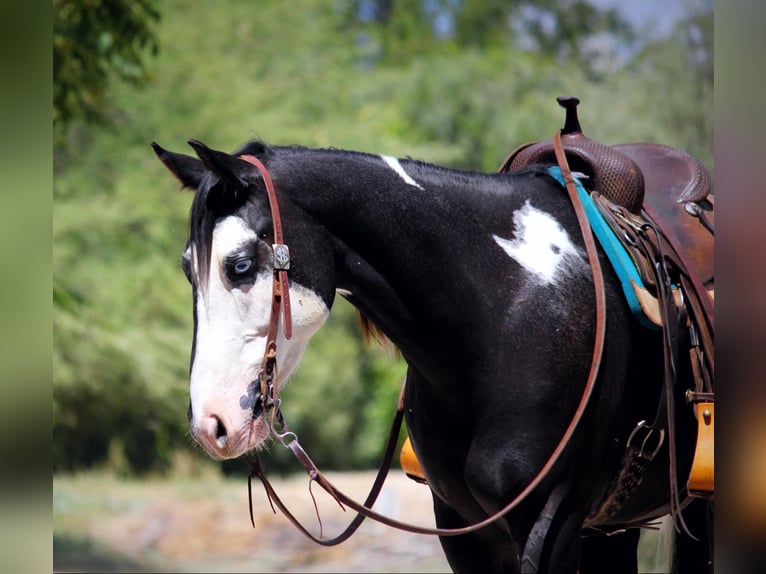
{"type": "Point", "coordinates": [455, 82]}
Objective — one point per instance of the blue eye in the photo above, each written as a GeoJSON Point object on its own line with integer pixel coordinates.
{"type": "Point", "coordinates": [242, 266]}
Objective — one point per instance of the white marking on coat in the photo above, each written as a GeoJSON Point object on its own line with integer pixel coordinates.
{"type": "Point", "coordinates": [394, 164]}
{"type": "Point", "coordinates": [541, 245]}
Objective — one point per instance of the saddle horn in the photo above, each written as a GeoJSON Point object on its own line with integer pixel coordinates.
{"type": "Point", "coordinates": [612, 173]}
{"type": "Point", "coordinates": [572, 122]}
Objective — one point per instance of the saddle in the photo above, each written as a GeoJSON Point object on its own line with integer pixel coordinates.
{"type": "Point", "coordinates": [668, 183]}
{"type": "Point", "coordinates": [656, 199]}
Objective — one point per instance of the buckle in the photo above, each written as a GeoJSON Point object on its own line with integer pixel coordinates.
{"type": "Point", "coordinates": [643, 452]}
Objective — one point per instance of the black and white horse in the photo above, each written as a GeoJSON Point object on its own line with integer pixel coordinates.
{"type": "Point", "coordinates": [482, 282]}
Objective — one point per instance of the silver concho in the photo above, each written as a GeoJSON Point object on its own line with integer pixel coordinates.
{"type": "Point", "coordinates": [281, 256]}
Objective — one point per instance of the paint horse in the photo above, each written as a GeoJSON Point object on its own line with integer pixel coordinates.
{"type": "Point", "coordinates": [483, 282]}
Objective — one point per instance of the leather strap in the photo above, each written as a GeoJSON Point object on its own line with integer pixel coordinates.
{"type": "Point", "coordinates": [256, 470]}
{"type": "Point", "coordinates": [281, 290]}
{"type": "Point", "coordinates": [696, 282]}
{"type": "Point", "coordinates": [364, 509]}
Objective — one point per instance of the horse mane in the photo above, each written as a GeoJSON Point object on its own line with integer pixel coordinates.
{"type": "Point", "coordinates": [371, 332]}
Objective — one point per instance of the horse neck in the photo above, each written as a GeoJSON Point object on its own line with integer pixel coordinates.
{"type": "Point", "coordinates": [413, 257]}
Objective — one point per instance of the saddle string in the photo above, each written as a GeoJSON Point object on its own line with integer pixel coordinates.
{"type": "Point", "coordinates": [672, 317]}
{"type": "Point", "coordinates": [683, 263]}
{"type": "Point", "coordinates": [693, 208]}
{"type": "Point", "coordinates": [364, 510]}
{"type": "Point", "coordinates": [682, 302]}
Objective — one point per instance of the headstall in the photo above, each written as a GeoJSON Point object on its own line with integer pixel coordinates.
{"type": "Point", "coordinates": [280, 295]}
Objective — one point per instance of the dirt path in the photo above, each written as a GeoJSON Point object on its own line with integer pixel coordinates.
{"type": "Point", "coordinates": [201, 524]}
{"type": "Point", "coordinates": [102, 524]}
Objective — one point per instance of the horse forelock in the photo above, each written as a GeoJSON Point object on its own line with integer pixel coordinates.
{"type": "Point", "coordinates": [206, 211]}
{"type": "Point", "coordinates": [202, 221]}
{"type": "Point", "coordinates": [209, 206]}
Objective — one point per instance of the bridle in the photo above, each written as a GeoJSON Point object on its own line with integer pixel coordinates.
{"type": "Point", "coordinates": [271, 403]}
{"type": "Point", "coordinates": [280, 294]}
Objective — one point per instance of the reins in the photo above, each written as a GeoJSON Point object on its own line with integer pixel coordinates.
{"type": "Point", "coordinates": [288, 439]}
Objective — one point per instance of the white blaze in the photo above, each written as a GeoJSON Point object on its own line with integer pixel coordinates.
{"type": "Point", "coordinates": [232, 324]}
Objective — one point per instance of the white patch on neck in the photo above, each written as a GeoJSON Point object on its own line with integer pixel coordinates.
{"type": "Point", "coordinates": [394, 164]}
{"type": "Point", "coordinates": [540, 244]}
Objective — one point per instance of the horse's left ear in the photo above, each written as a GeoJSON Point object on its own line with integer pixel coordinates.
{"type": "Point", "coordinates": [224, 165]}
{"type": "Point", "coordinates": [188, 170]}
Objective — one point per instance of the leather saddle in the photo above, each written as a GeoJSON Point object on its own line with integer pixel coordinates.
{"type": "Point", "coordinates": [641, 187]}
{"type": "Point", "coordinates": [669, 185]}
{"type": "Point", "coordinates": [657, 201]}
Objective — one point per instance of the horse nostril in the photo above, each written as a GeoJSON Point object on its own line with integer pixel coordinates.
{"type": "Point", "coordinates": [220, 431]}
{"type": "Point", "coordinates": [211, 432]}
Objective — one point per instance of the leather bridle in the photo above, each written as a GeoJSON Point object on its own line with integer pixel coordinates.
{"type": "Point", "coordinates": [280, 293]}
{"type": "Point", "coordinates": [270, 401]}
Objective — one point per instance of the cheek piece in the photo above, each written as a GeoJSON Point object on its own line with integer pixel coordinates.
{"type": "Point", "coordinates": [280, 301]}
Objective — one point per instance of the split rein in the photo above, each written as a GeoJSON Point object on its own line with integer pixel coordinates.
{"type": "Point", "coordinates": [270, 402]}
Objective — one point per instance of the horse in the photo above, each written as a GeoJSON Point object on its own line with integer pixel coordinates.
{"type": "Point", "coordinates": [483, 283]}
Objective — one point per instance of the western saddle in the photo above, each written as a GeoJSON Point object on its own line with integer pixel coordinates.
{"type": "Point", "coordinates": [657, 201]}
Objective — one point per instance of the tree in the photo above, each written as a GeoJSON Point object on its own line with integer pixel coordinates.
{"type": "Point", "coordinates": [94, 40]}
{"type": "Point", "coordinates": [564, 29]}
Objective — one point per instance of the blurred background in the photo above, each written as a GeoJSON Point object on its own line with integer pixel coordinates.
{"type": "Point", "coordinates": [454, 82]}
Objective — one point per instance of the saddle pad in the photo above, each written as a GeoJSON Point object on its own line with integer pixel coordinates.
{"type": "Point", "coordinates": [622, 263]}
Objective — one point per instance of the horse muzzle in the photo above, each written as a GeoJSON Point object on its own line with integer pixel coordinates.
{"type": "Point", "coordinates": [223, 439]}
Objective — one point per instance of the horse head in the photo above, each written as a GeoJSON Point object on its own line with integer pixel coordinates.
{"type": "Point", "coordinates": [229, 262]}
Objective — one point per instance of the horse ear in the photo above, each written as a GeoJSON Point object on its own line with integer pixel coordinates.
{"type": "Point", "coordinates": [188, 170]}
{"type": "Point", "coordinates": [224, 165]}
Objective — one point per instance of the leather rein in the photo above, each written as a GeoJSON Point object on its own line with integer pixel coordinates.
{"type": "Point", "coordinates": [278, 429]}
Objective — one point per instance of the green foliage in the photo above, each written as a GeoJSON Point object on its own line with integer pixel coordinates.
{"type": "Point", "coordinates": [101, 403]}
{"type": "Point", "coordinates": [316, 74]}
{"type": "Point", "coordinates": [403, 29]}
{"type": "Point", "coordinates": [94, 40]}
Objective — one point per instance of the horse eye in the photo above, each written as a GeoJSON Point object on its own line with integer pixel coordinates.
{"type": "Point", "coordinates": [240, 269]}
{"type": "Point", "coordinates": [242, 266]}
